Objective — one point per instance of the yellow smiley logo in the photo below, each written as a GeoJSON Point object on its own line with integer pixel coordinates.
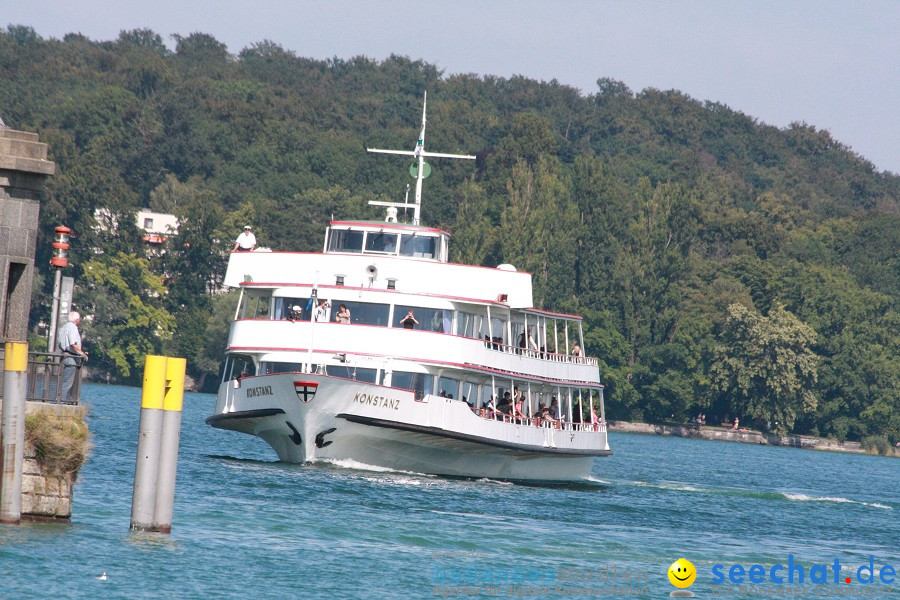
{"type": "Point", "coordinates": [682, 573]}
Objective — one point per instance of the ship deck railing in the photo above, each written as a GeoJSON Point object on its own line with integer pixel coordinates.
{"type": "Point", "coordinates": [535, 421]}
{"type": "Point", "coordinates": [44, 378]}
{"type": "Point", "coordinates": [540, 354]}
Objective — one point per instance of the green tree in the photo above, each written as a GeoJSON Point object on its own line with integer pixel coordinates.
{"type": "Point", "coordinates": [127, 318]}
{"type": "Point", "coordinates": [474, 236]}
{"type": "Point", "coordinates": [540, 229]}
{"type": "Point", "coordinates": [765, 365]}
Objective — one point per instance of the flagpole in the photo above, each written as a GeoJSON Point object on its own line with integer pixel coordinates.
{"type": "Point", "coordinates": [314, 302]}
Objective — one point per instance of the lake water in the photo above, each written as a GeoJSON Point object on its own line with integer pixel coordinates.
{"type": "Point", "coordinates": [246, 526]}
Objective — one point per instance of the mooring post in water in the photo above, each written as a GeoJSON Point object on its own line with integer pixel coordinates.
{"type": "Point", "coordinates": [171, 434]}
{"type": "Point", "coordinates": [158, 438]}
{"type": "Point", "coordinates": [12, 431]}
{"type": "Point", "coordinates": [146, 468]}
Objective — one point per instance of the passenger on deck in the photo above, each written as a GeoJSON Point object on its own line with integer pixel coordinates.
{"type": "Point", "coordinates": [295, 313]}
{"type": "Point", "coordinates": [576, 349]}
{"type": "Point", "coordinates": [409, 321]}
{"type": "Point", "coordinates": [554, 408]}
{"type": "Point", "coordinates": [489, 409]}
{"type": "Point", "coordinates": [517, 409]}
{"type": "Point", "coordinates": [321, 312]}
{"type": "Point", "coordinates": [245, 242]}
{"type": "Point", "coordinates": [505, 405]}
{"type": "Point", "coordinates": [548, 417]}
{"type": "Point", "coordinates": [343, 315]}
{"type": "Point", "coordinates": [532, 345]}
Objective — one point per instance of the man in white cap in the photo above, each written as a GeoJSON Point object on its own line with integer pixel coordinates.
{"type": "Point", "coordinates": [245, 242]}
{"type": "Point", "coordinates": [69, 342]}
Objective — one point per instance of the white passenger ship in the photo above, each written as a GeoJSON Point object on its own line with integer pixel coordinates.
{"type": "Point", "coordinates": [417, 395]}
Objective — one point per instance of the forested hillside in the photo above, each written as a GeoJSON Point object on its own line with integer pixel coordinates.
{"type": "Point", "coordinates": [724, 266]}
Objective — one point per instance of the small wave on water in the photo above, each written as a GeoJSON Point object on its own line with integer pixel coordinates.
{"type": "Point", "coordinates": [349, 463]}
{"type": "Point", "coordinates": [494, 481]}
{"type": "Point", "coordinates": [760, 495]}
{"type": "Point", "coordinates": [386, 474]}
{"type": "Point", "coordinates": [678, 487]}
{"type": "Point", "coordinates": [837, 499]}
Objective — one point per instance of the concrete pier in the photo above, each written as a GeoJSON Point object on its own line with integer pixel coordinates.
{"type": "Point", "coordinates": [24, 169]}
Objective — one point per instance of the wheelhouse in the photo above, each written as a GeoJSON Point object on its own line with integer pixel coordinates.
{"type": "Point", "coordinates": [387, 239]}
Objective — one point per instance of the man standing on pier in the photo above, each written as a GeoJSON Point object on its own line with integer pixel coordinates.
{"type": "Point", "coordinates": [70, 345]}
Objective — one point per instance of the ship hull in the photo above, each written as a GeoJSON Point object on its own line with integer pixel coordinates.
{"type": "Point", "coordinates": [311, 417]}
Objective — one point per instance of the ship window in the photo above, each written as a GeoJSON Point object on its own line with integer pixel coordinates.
{"type": "Point", "coordinates": [345, 241]}
{"type": "Point", "coordinates": [284, 309]}
{"type": "Point", "coordinates": [430, 319]}
{"type": "Point", "coordinates": [418, 246]}
{"type": "Point", "coordinates": [366, 313]}
{"type": "Point", "coordinates": [268, 368]}
{"type": "Point", "coordinates": [258, 307]}
{"type": "Point", "coordinates": [420, 383]}
{"type": "Point", "coordinates": [498, 328]}
{"type": "Point", "coordinates": [486, 394]}
{"type": "Point", "coordinates": [468, 325]}
{"type": "Point", "coordinates": [381, 242]}
{"type": "Point", "coordinates": [237, 366]}
{"type": "Point", "coordinates": [354, 373]}
{"type": "Point", "coordinates": [469, 393]}
{"type": "Point", "coordinates": [448, 387]}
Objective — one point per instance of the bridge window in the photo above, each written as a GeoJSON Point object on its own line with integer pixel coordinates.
{"type": "Point", "coordinates": [381, 242]}
{"type": "Point", "coordinates": [418, 246]}
{"type": "Point", "coordinates": [345, 241]}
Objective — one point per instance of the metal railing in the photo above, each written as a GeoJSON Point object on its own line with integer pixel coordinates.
{"type": "Point", "coordinates": [535, 421]}
{"type": "Point", "coordinates": [497, 344]}
{"type": "Point", "coordinates": [45, 378]}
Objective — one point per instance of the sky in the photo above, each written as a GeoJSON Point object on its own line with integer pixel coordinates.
{"type": "Point", "coordinates": [832, 64]}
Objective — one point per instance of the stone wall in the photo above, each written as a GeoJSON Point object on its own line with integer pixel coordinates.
{"type": "Point", "coordinates": [44, 497]}
{"type": "Point", "coordinates": [747, 436]}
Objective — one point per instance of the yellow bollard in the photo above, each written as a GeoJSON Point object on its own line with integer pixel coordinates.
{"type": "Point", "coordinates": [171, 434]}
{"type": "Point", "coordinates": [146, 467]}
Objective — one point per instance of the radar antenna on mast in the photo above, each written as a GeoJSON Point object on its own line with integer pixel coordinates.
{"type": "Point", "coordinates": [420, 170]}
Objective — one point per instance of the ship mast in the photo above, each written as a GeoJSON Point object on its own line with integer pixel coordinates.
{"type": "Point", "coordinates": [422, 168]}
